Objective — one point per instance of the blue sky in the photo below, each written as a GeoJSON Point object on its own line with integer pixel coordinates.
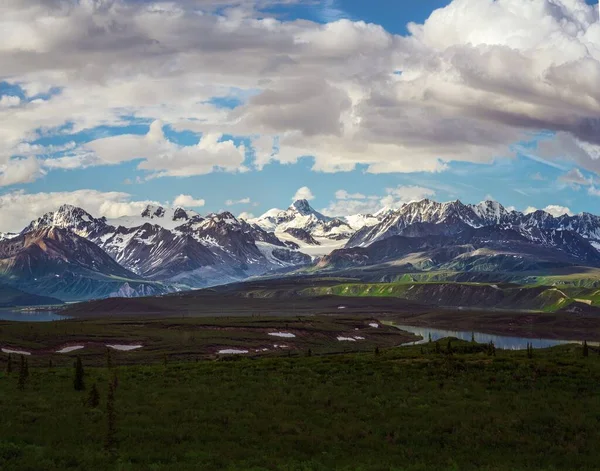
{"type": "Point", "coordinates": [213, 116]}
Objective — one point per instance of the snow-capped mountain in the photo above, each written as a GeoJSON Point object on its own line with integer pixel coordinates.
{"type": "Point", "coordinates": [55, 261]}
{"type": "Point", "coordinates": [453, 217]}
{"type": "Point", "coordinates": [72, 254]}
{"type": "Point", "coordinates": [179, 246]}
{"type": "Point", "coordinates": [169, 218]}
{"type": "Point", "coordinates": [315, 233]}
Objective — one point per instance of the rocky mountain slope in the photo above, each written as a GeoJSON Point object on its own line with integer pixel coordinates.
{"type": "Point", "coordinates": [12, 297]}
{"type": "Point", "coordinates": [489, 249]}
{"type": "Point", "coordinates": [177, 247]}
{"type": "Point", "coordinates": [313, 232]}
{"type": "Point", "coordinates": [70, 254]}
{"type": "Point", "coordinates": [53, 261]}
{"type": "Point", "coordinates": [454, 217]}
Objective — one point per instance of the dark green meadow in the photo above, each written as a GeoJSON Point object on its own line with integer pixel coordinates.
{"type": "Point", "coordinates": [409, 408]}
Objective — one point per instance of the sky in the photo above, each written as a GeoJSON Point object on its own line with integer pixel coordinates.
{"type": "Point", "coordinates": [244, 105]}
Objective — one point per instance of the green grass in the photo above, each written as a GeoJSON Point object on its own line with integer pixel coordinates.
{"type": "Point", "coordinates": [404, 409]}
{"type": "Point", "coordinates": [189, 338]}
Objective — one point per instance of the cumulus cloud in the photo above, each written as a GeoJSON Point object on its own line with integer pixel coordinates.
{"type": "Point", "coordinates": [187, 201]}
{"type": "Point", "coordinates": [165, 158]}
{"type": "Point", "coordinates": [19, 171]}
{"type": "Point", "coordinates": [304, 193]}
{"type": "Point", "coordinates": [347, 204]}
{"type": "Point", "coordinates": [246, 216]}
{"type": "Point", "coordinates": [18, 208]}
{"type": "Point", "coordinates": [9, 101]}
{"type": "Point", "coordinates": [465, 85]}
{"type": "Point", "coordinates": [241, 201]}
{"type": "Point", "coordinates": [553, 209]}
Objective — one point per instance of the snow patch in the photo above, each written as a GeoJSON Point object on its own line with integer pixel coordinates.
{"type": "Point", "coordinates": [232, 351]}
{"type": "Point", "coordinates": [285, 335]}
{"type": "Point", "coordinates": [374, 325]}
{"type": "Point", "coordinates": [16, 352]}
{"type": "Point", "coordinates": [70, 349]}
{"type": "Point", "coordinates": [346, 339]}
{"type": "Point", "coordinates": [125, 348]}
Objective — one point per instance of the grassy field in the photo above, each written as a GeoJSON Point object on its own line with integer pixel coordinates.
{"type": "Point", "coordinates": [185, 338]}
{"type": "Point", "coordinates": [409, 408]}
{"type": "Point", "coordinates": [547, 298]}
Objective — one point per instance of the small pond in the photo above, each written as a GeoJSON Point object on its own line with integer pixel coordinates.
{"type": "Point", "coordinates": [30, 316]}
{"type": "Point", "coordinates": [500, 341]}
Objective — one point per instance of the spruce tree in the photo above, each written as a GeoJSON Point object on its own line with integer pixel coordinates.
{"type": "Point", "coordinates": [22, 373]}
{"type": "Point", "coordinates": [585, 349]}
{"type": "Point", "coordinates": [472, 337]}
{"type": "Point", "coordinates": [111, 416]}
{"type": "Point", "coordinates": [94, 397]}
{"type": "Point", "coordinates": [109, 363]}
{"type": "Point", "coordinates": [309, 353]}
{"type": "Point", "coordinates": [78, 383]}
{"type": "Point", "coordinates": [449, 347]}
{"type": "Point", "coordinates": [376, 350]}
{"type": "Point", "coordinates": [430, 339]}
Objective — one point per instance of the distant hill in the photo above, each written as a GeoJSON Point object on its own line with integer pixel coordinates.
{"type": "Point", "coordinates": [12, 297]}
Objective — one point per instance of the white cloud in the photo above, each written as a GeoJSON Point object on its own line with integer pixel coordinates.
{"type": "Point", "coordinates": [529, 210]}
{"type": "Point", "coordinates": [241, 201]}
{"type": "Point", "coordinates": [18, 208]}
{"type": "Point", "coordinates": [9, 101]}
{"type": "Point", "coordinates": [347, 204]}
{"type": "Point", "coordinates": [246, 216]}
{"type": "Point", "coordinates": [165, 158]}
{"type": "Point", "coordinates": [304, 193]}
{"type": "Point", "coordinates": [553, 209]}
{"type": "Point", "coordinates": [557, 210]}
{"type": "Point", "coordinates": [470, 83]}
{"type": "Point", "coordinates": [187, 201]}
{"type": "Point", "coordinates": [19, 171]}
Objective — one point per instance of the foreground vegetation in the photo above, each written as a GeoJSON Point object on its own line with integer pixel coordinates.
{"type": "Point", "coordinates": [441, 406]}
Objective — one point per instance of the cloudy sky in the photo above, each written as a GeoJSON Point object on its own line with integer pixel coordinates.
{"type": "Point", "coordinates": [245, 104]}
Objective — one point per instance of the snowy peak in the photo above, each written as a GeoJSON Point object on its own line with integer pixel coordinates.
{"type": "Point", "coordinates": [491, 212]}
{"type": "Point", "coordinates": [168, 218]}
{"type": "Point", "coordinates": [303, 208]}
{"type": "Point", "coordinates": [69, 217]}
{"type": "Point", "coordinates": [152, 212]}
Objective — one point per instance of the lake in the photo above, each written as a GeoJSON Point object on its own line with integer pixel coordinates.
{"type": "Point", "coordinates": [30, 316]}
{"type": "Point", "coordinates": [500, 341]}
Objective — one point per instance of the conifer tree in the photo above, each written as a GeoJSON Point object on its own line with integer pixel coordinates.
{"type": "Point", "coordinates": [585, 349]}
{"type": "Point", "coordinates": [23, 373]}
{"type": "Point", "coordinates": [111, 432]}
{"type": "Point", "coordinates": [449, 347]}
{"type": "Point", "coordinates": [376, 350]}
{"type": "Point", "coordinates": [94, 397]}
{"type": "Point", "coordinates": [78, 382]}
{"type": "Point", "coordinates": [472, 337]}
{"type": "Point", "coordinates": [430, 340]}
{"type": "Point", "coordinates": [109, 363]}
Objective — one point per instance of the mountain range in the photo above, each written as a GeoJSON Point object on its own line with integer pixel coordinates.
{"type": "Point", "coordinates": [71, 255]}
